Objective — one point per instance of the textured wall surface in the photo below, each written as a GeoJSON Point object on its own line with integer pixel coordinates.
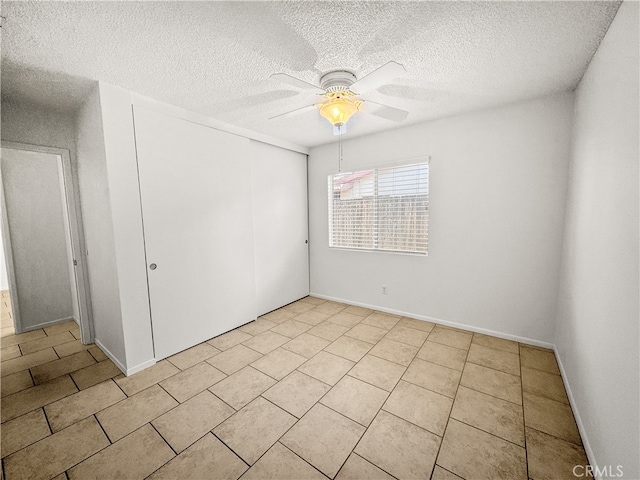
{"type": "Point", "coordinates": [598, 319]}
{"type": "Point", "coordinates": [216, 57]}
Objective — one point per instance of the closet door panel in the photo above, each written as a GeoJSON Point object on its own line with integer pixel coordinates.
{"type": "Point", "coordinates": [195, 187]}
{"type": "Point", "coordinates": [280, 225]}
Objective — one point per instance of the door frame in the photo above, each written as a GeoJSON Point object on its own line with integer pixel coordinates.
{"type": "Point", "coordinates": [79, 264]}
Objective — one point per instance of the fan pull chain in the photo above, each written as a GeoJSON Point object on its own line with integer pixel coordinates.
{"type": "Point", "coordinates": [340, 153]}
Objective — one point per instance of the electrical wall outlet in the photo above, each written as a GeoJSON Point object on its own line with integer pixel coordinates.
{"type": "Point", "coordinates": [384, 289]}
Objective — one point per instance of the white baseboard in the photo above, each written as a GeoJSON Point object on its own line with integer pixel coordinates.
{"type": "Point", "coordinates": [123, 369]}
{"type": "Point", "coordinates": [141, 366]}
{"type": "Point", "coordinates": [111, 356]}
{"type": "Point", "coordinates": [471, 328]}
{"type": "Point", "coordinates": [48, 324]}
{"type": "Point", "coordinates": [576, 413]}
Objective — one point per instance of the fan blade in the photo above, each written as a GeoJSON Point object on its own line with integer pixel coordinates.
{"type": "Point", "coordinates": [385, 111]}
{"type": "Point", "coordinates": [296, 82]}
{"type": "Point", "coordinates": [297, 111]}
{"type": "Point", "coordinates": [379, 77]}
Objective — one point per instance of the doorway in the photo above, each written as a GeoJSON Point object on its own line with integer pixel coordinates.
{"type": "Point", "coordinates": [40, 236]}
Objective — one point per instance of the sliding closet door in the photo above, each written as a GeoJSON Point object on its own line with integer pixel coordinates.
{"type": "Point", "coordinates": [195, 186]}
{"type": "Point", "coordinates": [281, 225]}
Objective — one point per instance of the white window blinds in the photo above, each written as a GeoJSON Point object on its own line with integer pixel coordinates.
{"type": "Point", "coordinates": [380, 209]}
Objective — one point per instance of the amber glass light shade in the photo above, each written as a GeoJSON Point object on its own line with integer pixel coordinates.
{"type": "Point", "coordinates": [339, 110]}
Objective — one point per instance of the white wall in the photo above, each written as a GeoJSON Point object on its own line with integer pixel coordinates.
{"type": "Point", "coordinates": [38, 237]}
{"type": "Point", "coordinates": [98, 226]}
{"type": "Point", "coordinates": [126, 215]}
{"type": "Point", "coordinates": [497, 193]}
{"type": "Point", "coordinates": [598, 318]}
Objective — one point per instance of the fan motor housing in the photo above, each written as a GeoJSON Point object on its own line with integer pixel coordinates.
{"type": "Point", "coordinates": [337, 81]}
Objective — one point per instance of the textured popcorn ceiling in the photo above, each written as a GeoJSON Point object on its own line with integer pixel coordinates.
{"type": "Point", "coordinates": [215, 58]}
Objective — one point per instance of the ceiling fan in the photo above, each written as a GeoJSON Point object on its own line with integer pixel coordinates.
{"type": "Point", "coordinates": [341, 91]}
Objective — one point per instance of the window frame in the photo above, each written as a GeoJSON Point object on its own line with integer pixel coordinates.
{"type": "Point", "coordinates": [403, 163]}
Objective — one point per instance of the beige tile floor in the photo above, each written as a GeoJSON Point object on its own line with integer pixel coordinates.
{"type": "Point", "coordinates": [313, 390]}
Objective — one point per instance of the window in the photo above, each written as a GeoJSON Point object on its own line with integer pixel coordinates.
{"type": "Point", "coordinates": [380, 209]}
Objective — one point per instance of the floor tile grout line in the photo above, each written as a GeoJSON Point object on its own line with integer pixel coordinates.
{"type": "Point", "coordinates": [95, 415]}
{"type": "Point", "coordinates": [314, 378]}
{"type": "Point", "coordinates": [299, 420]}
{"type": "Point", "coordinates": [489, 433]}
{"type": "Point", "coordinates": [493, 348]}
{"type": "Point", "coordinates": [540, 370]}
{"type": "Point", "coordinates": [342, 356]}
{"type": "Point", "coordinates": [94, 357]}
{"type": "Point", "coordinates": [94, 453]}
{"type": "Point", "coordinates": [50, 346]}
{"type": "Point", "coordinates": [179, 402]}
{"type": "Point", "coordinates": [439, 364]}
{"type": "Point", "coordinates": [33, 380]}
{"type": "Point", "coordinates": [430, 389]}
{"type": "Point", "coordinates": [493, 368]}
{"type": "Point", "coordinates": [46, 417]}
{"type": "Point", "coordinates": [231, 449]}
{"type": "Point", "coordinates": [192, 443]}
{"type": "Point", "coordinates": [103, 448]}
{"type": "Point", "coordinates": [447, 345]}
{"type": "Point", "coordinates": [305, 461]}
{"type": "Point", "coordinates": [377, 466]}
{"type": "Point", "coordinates": [449, 418]}
{"type": "Point", "coordinates": [353, 451]}
{"type": "Point", "coordinates": [390, 392]}
{"type": "Point", "coordinates": [524, 423]}
{"type": "Point", "coordinates": [119, 387]}
{"type": "Point", "coordinates": [382, 409]}
{"type": "Point", "coordinates": [437, 465]}
{"type": "Point", "coordinates": [413, 423]}
{"type": "Point", "coordinates": [177, 454]}
{"type": "Point", "coordinates": [162, 437]}
{"type": "Point", "coordinates": [74, 423]}
{"type": "Point", "coordinates": [489, 394]}
{"type": "Point", "coordinates": [366, 427]}
{"type": "Point", "coordinates": [270, 376]}
{"type": "Point", "coordinates": [41, 406]}
{"type": "Point", "coordinates": [545, 397]}
{"type": "Point", "coordinates": [51, 432]}
{"type": "Point", "coordinates": [119, 401]}
{"type": "Point", "coordinates": [196, 393]}
{"type": "Point", "coordinates": [234, 410]}
{"type": "Point", "coordinates": [556, 437]}
{"type": "Point", "coordinates": [281, 436]}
